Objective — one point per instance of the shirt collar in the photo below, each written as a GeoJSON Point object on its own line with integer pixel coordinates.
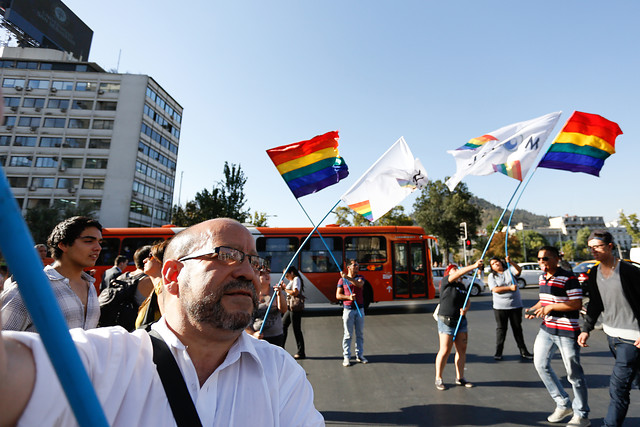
{"type": "Point", "coordinates": [52, 274]}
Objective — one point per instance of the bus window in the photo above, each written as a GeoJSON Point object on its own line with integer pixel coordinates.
{"type": "Point", "coordinates": [314, 257]}
{"type": "Point", "coordinates": [366, 249]}
{"type": "Point", "coordinates": [109, 252]}
{"type": "Point", "coordinates": [277, 250]}
{"type": "Point", "coordinates": [417, 257]}
{"type": "Point", "coordinates": [131, 244]}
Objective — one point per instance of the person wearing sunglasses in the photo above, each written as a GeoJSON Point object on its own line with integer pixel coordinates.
{"type": "Point", "coordinates": [209, 275]}
{"type": "Point", "coordinates": [559, 307]}
{"type": "Point", "coordinates": [614, 293]}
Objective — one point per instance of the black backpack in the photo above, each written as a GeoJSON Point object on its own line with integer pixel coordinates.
{"type": "Point", "coordinates": [118, 303]}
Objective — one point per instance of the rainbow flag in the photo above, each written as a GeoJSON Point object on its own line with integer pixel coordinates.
{"type": "Point", "coordinates": [511, 169]}
{"type": "Point", "coordinates": [310, 166]}
{"type": "Point", "coordinates": [478, 142]}
{"type": "Point", "coordinates": [584, 143]}
{"type": "Point", "coordinates": [363, 208]}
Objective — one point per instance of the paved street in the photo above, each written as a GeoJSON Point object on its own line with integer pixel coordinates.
{"type": "Point", "coordinates": [396, 387]}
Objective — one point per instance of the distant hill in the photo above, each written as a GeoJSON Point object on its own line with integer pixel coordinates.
{"type": "Point", "coordinates": [491, 211]}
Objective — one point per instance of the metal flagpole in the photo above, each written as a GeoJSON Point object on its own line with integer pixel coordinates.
{"type": "Point", "coordinates": [17, 245]}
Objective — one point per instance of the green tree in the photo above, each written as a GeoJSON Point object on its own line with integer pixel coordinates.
{"type": "Point", "coordinates": [440, 211]}
{"type": "Point", "coordinates": [568, 247]}
{"type": "Point", "coordinates": [582, 250]}
{"type": "Point", "coordinates": [348, 217]}
{"type": "Point", "coordinates": [259, 219]}
{"type": "Point", "coordinates": [41, 220]}
{"type": "Point", "coordinates": [226, 199]}
{"type": "Point", "coordinates": [632, 224]}
{"type": "Point", "coordinates": [532, 242]}
{"type": "Point", "coordinates": [496, 248]}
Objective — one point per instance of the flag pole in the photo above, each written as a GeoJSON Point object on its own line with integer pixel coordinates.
{"type": "Point", "coordinates": [475, 273]}
{"type": "Point", "coordinates": [17, 245]}
{"type": "Point", "coordinates": [284, 272]}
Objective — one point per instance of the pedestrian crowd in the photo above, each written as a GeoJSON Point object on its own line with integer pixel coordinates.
{"type": "Point", "coordinates": [224, 326]}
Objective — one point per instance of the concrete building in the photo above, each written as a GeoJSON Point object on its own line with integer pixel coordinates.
{"type": "Point", "coordinates": [76, 134]}
{"type": "Point", "coordinates": [570, 225]}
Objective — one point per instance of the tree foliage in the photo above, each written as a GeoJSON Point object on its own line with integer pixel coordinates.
{"type": "Point", "coordinates": [632, 224]}
{"type": "Point", "coordinates": [225, 200]}
{"type": "Point", "coordinates": [41, 220]}
{"type": "Point", "coordinates": [496, 247]}
{"type": "Point", "coordinates": [259, 219]}
{"type": "Point", "coordinates": [440, 211]}
{"type": "Point", "coordinates": [348, 217]}
{"type": "Point", "coordinates": [582, 250]}
{"type": "Point", "coordinates": [532, 242]}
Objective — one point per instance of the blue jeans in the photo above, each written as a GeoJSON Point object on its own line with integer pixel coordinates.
{"type": "Point", "coordinates": [351, 318]}
{"type": "Point", "coordinates": [544, 348]}
{"type": "Point", "coordinates": [625, 370]}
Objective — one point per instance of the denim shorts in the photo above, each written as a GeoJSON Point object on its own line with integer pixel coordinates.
{"type": "Point", "coordinates": [449, 330]}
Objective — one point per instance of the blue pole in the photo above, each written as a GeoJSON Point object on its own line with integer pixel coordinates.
{"type": "Point", "coordinates": [17, 245]}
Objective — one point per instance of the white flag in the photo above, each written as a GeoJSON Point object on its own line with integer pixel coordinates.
{"type": "Point", "coordinates": [388, 182]}
{"type": "Point", "coordinates": [510, 150]}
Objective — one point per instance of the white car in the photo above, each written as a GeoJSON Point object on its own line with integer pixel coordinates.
{"type": "Point", "coordinates": [478, 286]}
{"type": "Point", "coordinates": [530, 274]}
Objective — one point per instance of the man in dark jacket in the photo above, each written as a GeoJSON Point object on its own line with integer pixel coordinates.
{"type": "Point", "coordinates": [614, 291]}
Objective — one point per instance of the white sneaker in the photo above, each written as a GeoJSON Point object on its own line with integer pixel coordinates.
{"type": "Point", "coordinates": [346, 362]}
{"type": "Point", "coordinates": [559, 414]}
{"type": "Point", "coordinates": [362, 359]}
{"type": "Point", "coordinates": [577, 420]}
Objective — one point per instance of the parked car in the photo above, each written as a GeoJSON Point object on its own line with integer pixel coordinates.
{"type": "Point", "coordinates": [478, 286]}
{"type": "Point", "coordinates": [582, 271]}
{"type": "Point", "coordinates": [530, 273]}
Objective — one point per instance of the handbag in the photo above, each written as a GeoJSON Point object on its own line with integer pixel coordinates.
{"type": "Point", "coordinates": [296, 303]}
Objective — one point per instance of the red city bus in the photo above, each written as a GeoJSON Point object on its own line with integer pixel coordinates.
{"type": "Point", "coordinates": [394, 260]}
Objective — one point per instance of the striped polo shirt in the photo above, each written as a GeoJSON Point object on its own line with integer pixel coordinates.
{"type": "Point", "coordinates": [563, 286]}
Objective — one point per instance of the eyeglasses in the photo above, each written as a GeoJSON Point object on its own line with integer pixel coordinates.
{"type": "Point", "coordinates": [594, 247]}
{"type": "Point", "coordinates": [264, 272]}
{"type": "Point", "coordinates": [229, 256]}
{"type": "Point", "coordinates": [544, 258]}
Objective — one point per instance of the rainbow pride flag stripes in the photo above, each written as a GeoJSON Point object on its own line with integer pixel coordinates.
{"type": "Point", "coordinates": [364, 209]}
{"type": "Point", "coordinates": [584, 143]}
{"type": "Point", "coordinates": [310, 166]}
{"type": "Point", "coordinates": [477, 142]}
{"type": "Point", "coordinates": [511, 169]}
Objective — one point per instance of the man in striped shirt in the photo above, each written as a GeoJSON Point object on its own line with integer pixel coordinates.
{"type": "Point", "coordinates": [559, 307]}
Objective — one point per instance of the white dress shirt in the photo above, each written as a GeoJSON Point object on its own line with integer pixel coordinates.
{"type": "Point", "coordinates": [258, 384]}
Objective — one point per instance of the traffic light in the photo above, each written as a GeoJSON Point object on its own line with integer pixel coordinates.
{"type": "Point", "coordinates": [467, 244]}
{"type": "Point", "coordinates": [463, 231]}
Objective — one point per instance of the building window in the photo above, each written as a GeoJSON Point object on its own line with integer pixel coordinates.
{"type": "Point", "coordinates": [38, 203]}
{"type": "Point", "coordinates": [139, 208]}
{"type": "Point", "coordinates": [5, 140]}
{"type": "Point", "coordinates": [61, 85]}
{"type": "Point", "coordinates": [110, 87]}
{"type": "Point", "coordinates": [29, 121]}
{"type": "Point", "coordinates": [18, 181]}
{"type": "Point", "coordinates": [11, 101]}
{"type": "Point", "coordinates": [102, 124]}
{"type": "Point", "coordinates": [106, 105]}
{"type": "Point", "coordinates": [13, 83]}
{"type": "Point", "coordinates": [25, 141]}
{"type": "Point", "coordinates": [68, 182]}
{"type": "Point", "coordinates": [93, 183]}
{"type": "Point", "coordinates": [58, 103]}
{"type": "Point", "coordinates": [79, 123]}
{"type": "Point", "coordinates": [42, 182]}
{"type": "Point", "coordinates": [100, 143]}
{"type": "Point", "coordinates": [47, 162]}
{"type": "Point", "coordinates": [86, 86]}
{"type": "Point", "coordinates": [38, 84]}
{"type": "Point", "coordinates": [81, 104]}
{"type": "Point", "coordinates": [33, 102]}
{"type": "Point", "coordinates": [48, 141]}
{"type": "Point", "coordinates": [21, 161]}
{"type": "Point", "coordinates": [9, 121]}
{"type": "Point", "coordinates": [75, 142]}
{"type": "Point", "coordinates": [3, 160]}
{"type": "Point", "coordinates": [96, 164]}
{"type": "Point", "coordinates": [54, 122]}
{"type": "Point", "coordinates": [72, 162]}
{"type": "Point", "coordinates": [24, 65]}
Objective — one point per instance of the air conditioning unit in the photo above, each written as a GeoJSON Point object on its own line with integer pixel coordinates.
{"type": "Point", "coordinates": [33, 187]}
{"type": "Point", "coordinates": [65, 144]}
{"type": "Point", "coordinates": [9, 127]}
{"type": "Point", "coordinates": [14, 108]}
{"type": "Point", "coordinates": [29, 89]}
{"type": "Point", "coordinates": [62, 168]}
{"type": "Point", "coordinates": [34, 128]}
{"type": "Point", "coordinates": [63, 110]}
{"type": "Point", "coordinates": [38, 109]}
{"type": "Point", "coordinates": [18, 88]}
{"type": "Point", "coordinates": [72, 190]}
{"type": "Point", "coordinates": [100, 92]}
{"type": "Point", "coordinates": [54, 90]}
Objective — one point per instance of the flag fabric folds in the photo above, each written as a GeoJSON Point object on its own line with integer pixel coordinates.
{"type": "Point", "coordinates": [384, 185]}
{"type": "Point", "coordinates": [310, 166]}
{"type": "Point", "coordinates": [584, 143]}
{"type": "Point", "coordinates": [510, 150]}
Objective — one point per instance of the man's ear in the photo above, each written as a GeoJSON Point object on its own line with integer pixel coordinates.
{"type": "Point", "coordinates": [170, 271]}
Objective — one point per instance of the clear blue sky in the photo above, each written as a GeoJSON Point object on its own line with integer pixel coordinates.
{"type": "Point", "coordinates": [252, 75]}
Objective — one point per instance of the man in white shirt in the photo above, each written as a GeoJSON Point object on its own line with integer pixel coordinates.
{"type": "Point", "coordinates": [210, 295]}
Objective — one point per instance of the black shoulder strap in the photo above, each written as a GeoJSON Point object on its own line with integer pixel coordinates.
{"type": "Point", "coordinates": [184, 411]}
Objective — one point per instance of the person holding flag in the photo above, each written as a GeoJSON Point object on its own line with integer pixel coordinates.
{"type": "Point", "coordinates": [452, 307]}
{"type": "Point", "coordinates": [350, 292]}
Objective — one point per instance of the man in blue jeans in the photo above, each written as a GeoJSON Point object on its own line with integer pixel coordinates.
{"type": "Point", "coordinates": [350, 292]}
{"type": "Point", "coordinates": [559, 307]}
{"type": "Point", "coordinates": [614, 292]}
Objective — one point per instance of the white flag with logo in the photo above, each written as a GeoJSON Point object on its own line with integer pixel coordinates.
{"type": "Point", "coordinates": [510, 150]}
{"type": "Point", "coordinates": [388, 182]}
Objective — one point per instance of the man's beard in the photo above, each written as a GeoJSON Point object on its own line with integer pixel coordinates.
{"type": "Point", "coordinates": [209, 309]}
